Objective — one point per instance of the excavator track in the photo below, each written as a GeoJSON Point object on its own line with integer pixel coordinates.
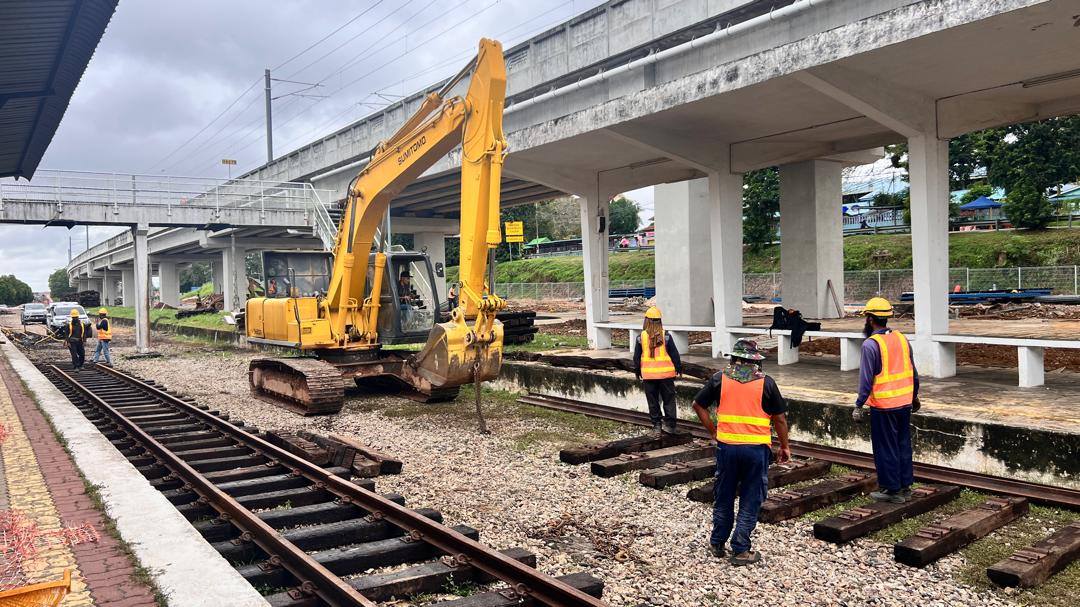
{"type": "Point", "coordinates": [302, 385]}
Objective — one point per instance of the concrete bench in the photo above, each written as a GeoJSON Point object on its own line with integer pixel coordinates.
{"type": "Point", "coordinates": [1031, 370]}
{"type": "Point", "coordinates": [680, 334]}
{"type": "Point", "coordinates": [850, 343]}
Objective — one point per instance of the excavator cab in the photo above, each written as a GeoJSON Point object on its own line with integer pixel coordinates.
{"type": "Point", "coordinates": [409, 304]}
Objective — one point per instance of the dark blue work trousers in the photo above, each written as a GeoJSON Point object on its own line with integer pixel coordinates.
{"type": "Point", "coordinates": [890, 435]}
{"type": "Point", "coordinates": [741, 470]}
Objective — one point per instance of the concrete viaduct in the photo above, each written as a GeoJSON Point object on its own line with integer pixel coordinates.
{"type": "Point", "coordinates": [689, 94]}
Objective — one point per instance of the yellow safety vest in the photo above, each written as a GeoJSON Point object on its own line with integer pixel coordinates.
{"type": "Point", "coordinates": [105, 334]}
{"type": "Point", "coordinates": [659, 365]}
{"type": "Point", "coordinates": [740, 419]}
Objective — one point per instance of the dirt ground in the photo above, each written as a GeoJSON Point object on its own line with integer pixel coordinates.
{"type": "Point", "coordinates": [979, 355]}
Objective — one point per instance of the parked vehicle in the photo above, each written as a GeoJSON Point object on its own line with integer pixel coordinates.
{"type": "Point", "coordinates": [60, 313]}
{"type": "Point", "coordinates": [4, 309]}
{"type": "Point", "coordinates": [33, 312]}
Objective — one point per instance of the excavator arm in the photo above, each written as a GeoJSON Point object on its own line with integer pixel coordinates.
{"type": "Point", "coordinates": [470, 344]}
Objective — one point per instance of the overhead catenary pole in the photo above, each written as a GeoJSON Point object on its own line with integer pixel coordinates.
{"type": "Point", "coordinates": [269, 120]}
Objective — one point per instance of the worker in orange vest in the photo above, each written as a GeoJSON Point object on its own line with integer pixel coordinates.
{"type": "Point", "coordinates": [747, 403]}
{"type": "Point", "coordinates": [657, 363]}
{"type": "Point", "coordinates": [889, 383]}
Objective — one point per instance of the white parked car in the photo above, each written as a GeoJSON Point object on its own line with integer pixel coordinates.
{"type": "Point", "coordinates": [60, 314]}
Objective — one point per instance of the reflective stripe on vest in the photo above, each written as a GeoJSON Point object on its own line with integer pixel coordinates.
{"type": "Point", "coordinates": [104, 334]}
{"type": "Point", "coordinates": [894, 386]}
{"type": "Point", "coordinates": [740, 420]}
{"type": "Point", "coordinates": [659, 365]}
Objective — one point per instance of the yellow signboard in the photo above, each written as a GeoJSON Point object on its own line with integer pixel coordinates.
{"type": "Point", "coordinates": [515, 228]}
{"type": "Point", "coordinates": [515, 239]}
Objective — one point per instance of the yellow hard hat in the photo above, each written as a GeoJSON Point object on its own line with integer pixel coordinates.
{"type": "Point", "coordinates": [878, 306]}
{"type": "Point", "coordinates": [653, 312]}
{"type": "Point", "coordinates": [74, 311]}
{"type": "Point", "coordinates": [103, 312]}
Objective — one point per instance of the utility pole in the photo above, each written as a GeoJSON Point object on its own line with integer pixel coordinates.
{"type": "Point", "coordinates": [269, 120]}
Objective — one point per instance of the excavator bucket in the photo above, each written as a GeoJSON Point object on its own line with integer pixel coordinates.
{"type": "Point", "coordinates": [449, 360]}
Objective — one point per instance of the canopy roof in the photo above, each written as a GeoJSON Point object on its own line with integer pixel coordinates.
{"type": "Point", "coordinates": [982, 202]}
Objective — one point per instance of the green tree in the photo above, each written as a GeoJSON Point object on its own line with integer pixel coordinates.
{"type": "Point", "coordinates": [14, 292]}
{"type": "Point", "coordinates": [1027, 207]}
{"type": "Point", "coordinates": [623, 216]}
{"type": "Point", "coordinates": [59, 289]}
{"type": "Point", "coordinates": [761, 207]}
{"type": "Point", "coordinates": [1029, 159]}
{"type": "Point", "coordinates": [975, 192]}
{"type": "Point", "coordinates": [194, 276]}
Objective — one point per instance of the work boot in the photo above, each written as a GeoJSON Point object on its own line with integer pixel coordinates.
{"type": "Point", "coordinates": [718, 551]}
{"type": "Point", "coordinates": [906, 492]}
{"type": "Point", "coordinates": [669, 428]}
{"type": "Point", "coordinates": [892, 497]}
{"type": "Point", "coordinates": [656, 429]}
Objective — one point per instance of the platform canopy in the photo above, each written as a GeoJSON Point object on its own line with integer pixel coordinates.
{"type": "Point", "coordinates": [45, 46]}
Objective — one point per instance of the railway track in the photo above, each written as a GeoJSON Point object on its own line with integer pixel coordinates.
{"type": "Point", "coordinates": [670, 460]}
{"type": "Point", "coordinates": [302, 534]}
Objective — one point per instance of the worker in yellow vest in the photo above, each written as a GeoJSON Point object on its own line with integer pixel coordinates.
{"type": "Point", "coordinates": [77, 333]}
{"type": "Point", "coordinates": [657, 364]}
{"type": "Point", "coordinates": [104, 338]}
{"type": "Point", "coordinates": [889, 384]}
{"type": "Point", "coordinates": [739, 406]}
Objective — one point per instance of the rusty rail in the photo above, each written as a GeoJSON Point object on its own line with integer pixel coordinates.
{"type": "Point", "coordinates": [1062, 497]}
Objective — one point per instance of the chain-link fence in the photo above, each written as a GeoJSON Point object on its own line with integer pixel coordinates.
{"type": "Point", "coordinates": [858, 285]}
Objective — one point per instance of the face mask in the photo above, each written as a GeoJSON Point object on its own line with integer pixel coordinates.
{"type": "Point", "coordinates": [868, 328]}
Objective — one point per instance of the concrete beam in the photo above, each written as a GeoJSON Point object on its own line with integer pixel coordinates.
{"type": "Point", "coordinates": [41, 212]}
{"type": "Point", "coordinates": [701, 153]}
{"type": "Point", "coordinates": [902, 110]}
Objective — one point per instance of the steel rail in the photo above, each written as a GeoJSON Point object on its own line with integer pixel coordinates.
{"type": "Point", "coordinates": [1061, 497]}
{"type": "Point", "coordinates": [523, 580]}
{"type": "Point", "coordinates": [312, 575]}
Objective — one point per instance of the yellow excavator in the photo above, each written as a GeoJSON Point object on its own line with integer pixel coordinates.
{"type": "Point", "coordinates": [368, 298]}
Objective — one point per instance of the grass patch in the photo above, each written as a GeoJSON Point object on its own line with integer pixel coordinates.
{"type": "Point", "coordinates": [543, 342]}
{"type": "Point", "coordinates": [894, 533]}
{"type": "Point", "coordinates": [1060, 590]}
{"type": "Point", "coordinates": [167, 318]}
{"type": "Point", "coordinates": [207, 288]}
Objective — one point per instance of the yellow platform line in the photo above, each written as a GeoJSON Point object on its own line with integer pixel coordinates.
{"type": "Point", "coordinates": [28, 494]}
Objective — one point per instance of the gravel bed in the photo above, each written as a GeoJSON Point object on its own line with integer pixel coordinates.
{"type": "Point", "coordinates": [649, 546]}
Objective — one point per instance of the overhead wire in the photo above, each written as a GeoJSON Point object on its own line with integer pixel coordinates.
{"type": "Point", "coordinates": [326, 37]}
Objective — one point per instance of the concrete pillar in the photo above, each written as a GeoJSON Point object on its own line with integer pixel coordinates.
{"type": "Point", "coordinates": [594, 251]}
{"type": "Point", "coordinates": [725, 218]}
{"type": "Point", "coordinates": [1030, 366]}
{"type": "Point", "coordinates": [109, 292]}
{"type": "Point", "coordinates": [684, 286]}
{"type": "Point", "coordinates": [811, 237]}
{"type": "Point", "coordinates": [435, 244]}
{"type": "Point", "coordinates": [127, 286]}
{"type": "Point", "coordinates": [141, 300]}
{"type": "Point", "coordinates": [234, 275]}
{"type": "Point", "coordinates": [169, 283]}
{"type": "Point", "coordinates": [928, 168]}
{"type": "Point", "coordinates": [217, 275]}
{"type": "Point", "coordinates": [82, 284]}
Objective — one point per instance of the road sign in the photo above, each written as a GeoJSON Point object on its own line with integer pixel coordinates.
{"type": "Point", "coordinates": [515, 231]}
{"type": "Point", "coordinates": [228, 161]}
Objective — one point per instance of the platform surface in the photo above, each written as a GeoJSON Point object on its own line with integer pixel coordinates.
{"type": "Point", "coordinates": [976, 394]}
{"type": "Point", "coordinates": [42, 485]}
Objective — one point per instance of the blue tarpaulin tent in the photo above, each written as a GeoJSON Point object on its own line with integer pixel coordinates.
{"type": "Point", "coordinates": [982, 202]}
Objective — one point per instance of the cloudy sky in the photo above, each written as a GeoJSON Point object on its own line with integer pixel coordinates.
{"type": "Point", "coordinates": [174, 87]}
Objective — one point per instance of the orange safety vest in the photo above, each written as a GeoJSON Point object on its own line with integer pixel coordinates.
{"type": "Point", "coordinates": [659, 365]}
{"type": "Point", "coordinates": [894, 386]}
{"type": "Point", "coordinates": [740, 420]}
{"type": "Point", "coordinates": [105, 334]}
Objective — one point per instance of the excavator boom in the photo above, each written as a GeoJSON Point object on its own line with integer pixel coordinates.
{"type": "Point", "coordinates": [468, 347]}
